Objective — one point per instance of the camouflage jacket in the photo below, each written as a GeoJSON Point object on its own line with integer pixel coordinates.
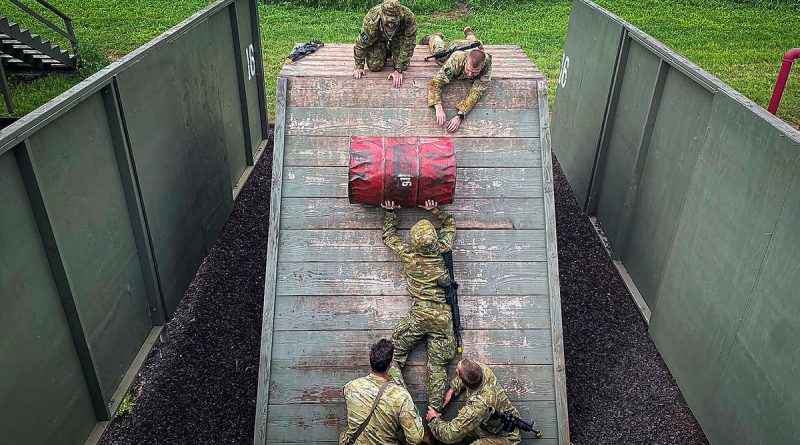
{"type": "Point", "coordinates": [372, 32]}
{"type": "Point", "coordinates": [469, 418]}
{"type": "Point", "coordinates": [394, 417]}
{"type": "Point", "coordinates": [453, 68]}
{"type": "Point", "coordinates": [423, 268]}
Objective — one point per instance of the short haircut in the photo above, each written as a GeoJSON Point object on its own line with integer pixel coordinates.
{"type": "Point", "coordinates": [476, 57]}
{"type": "Point", "coordinates": [380, 355]}
{"type": "Point", "coordinates": [471, 374]}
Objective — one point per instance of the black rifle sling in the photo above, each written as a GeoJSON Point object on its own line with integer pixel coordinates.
{"type": "Point", "coordinates": [363, 425]}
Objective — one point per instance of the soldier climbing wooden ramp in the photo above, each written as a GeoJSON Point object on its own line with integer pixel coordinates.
{"type": "Point", "coordinates": [332, 287]}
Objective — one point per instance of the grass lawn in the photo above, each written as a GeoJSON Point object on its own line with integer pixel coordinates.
{"type": "Point", "coordinates": [739, 42]}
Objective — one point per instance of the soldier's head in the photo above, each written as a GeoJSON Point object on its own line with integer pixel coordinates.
{"type": "Point", "coordinates": [391, 14]}
{"type": "Point", "coordinates": [476, 59]}
{"type": "Point", "coordinates": [380, 355]}
{"type": "Point", "coordinates": [470, 372]}
{"type": "Point", "coordinates": [423, 236]}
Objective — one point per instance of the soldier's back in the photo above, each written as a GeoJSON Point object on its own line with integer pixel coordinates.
{"type": "Point", "coordinates": [386, 424]}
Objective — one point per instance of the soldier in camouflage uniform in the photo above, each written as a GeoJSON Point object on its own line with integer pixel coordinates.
{"type": "Point", "coordinates": [472, 64]}
{"type": "Point", "coordinates": [430, 316]}
{"type": "Point", "coordinates": [395, 420]}
{"type": "Point", "coordinates": [483, 394]}
{"type": "Point", "coordinates": [389, 30]}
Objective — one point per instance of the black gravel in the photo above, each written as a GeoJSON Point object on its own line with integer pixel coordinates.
{"type": "Point", "coordinates": [619, 389]}
{"type": "Point", "coordinates": [199, 387]}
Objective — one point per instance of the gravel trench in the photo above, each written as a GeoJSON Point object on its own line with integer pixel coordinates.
{"type": "Point", "coordinates": [199, 387]}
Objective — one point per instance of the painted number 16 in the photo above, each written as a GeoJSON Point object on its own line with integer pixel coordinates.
{"type": "Point", "coordinates": [249, 56]}
{"type": "Point", "coordinates": [562, 77]}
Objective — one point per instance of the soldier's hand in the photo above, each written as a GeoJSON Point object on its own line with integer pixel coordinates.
{"type": "Point", "coordinates": [390, 205]}
{"type": "Point", "coordinates": [397, 79]}
{"type": "Point", "coordinates": [359, 72]}
{"type": "Point", "coordinates": [441, 116]}
{"type": "Point", "coordinates": [430, 205]}
{"type": "Point", "coordinates": [454, 124]}
{"type": "Point", "coordinates": [432, 414]}
{"type": "Point", "coordinates": [447, 396]}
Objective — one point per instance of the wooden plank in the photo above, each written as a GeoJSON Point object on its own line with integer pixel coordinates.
{"type": "Point", "coordinates": [265, 358]}
{"type": "Point", "coordinates": [385, 278]}
{"type": "Point", "coordinates": [415, 70]}
{"type": "Point", "coordinates": [315, 423]}
{"type": "Point", "coordinates": [322, 151]}
{"type": "Point", "coordinates": [366, 312]}
{"type": "Point", "coordinates": [366, 245]}
{"type": "Point", "coordinates": [332, 182]}
{"type": "Point", "coordinates": [343, 348]}
{"type": "Point", "coordinates": [349, 93]}
{"type": "Point", "coordinates": [344, 70]}
{"type": "Point", "coordinates": [298, 384]}
{"type": "Point", "coordinates": [338, 213]}
{"type": "Point", "coordinates": [553, 285]}
{"type": "Point", "coordinates": [420, 51]}
{"type": "Point", "coordinates": [481, 122]}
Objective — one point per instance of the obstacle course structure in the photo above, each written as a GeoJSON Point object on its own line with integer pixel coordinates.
{"type": "Point", "coordinates": [333, 288]}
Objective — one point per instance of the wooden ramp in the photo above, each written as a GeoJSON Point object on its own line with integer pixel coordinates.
{"type": "Point", "coordinates": [333, 288]}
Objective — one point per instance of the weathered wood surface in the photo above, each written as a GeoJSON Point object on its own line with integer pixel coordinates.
{"type": "Point", "coordinates": [321, 422]}
{"type": "Point", "coordinates": [386, 278]}
{"type": "Point", "coordinates": [338, 213]}
{"type": "Point", "coordinates": [338, 288]}
{"type": "Point", "coordinates": [312, 384]}
{"type": "Point", "coordinates": [331, 92]}
{"type": "Point", "coordinates": [368, 312]}
{"type": "Point", "coordinates": [332, 182]}
{"type": "Point", "coordinates": [361, 245]}
{"type": "Point", "coordinates": [329, 151]}
{"type": "Point", "coordinates": [481, 122]}
{"type": "Point", "coordinates": [344, 348]}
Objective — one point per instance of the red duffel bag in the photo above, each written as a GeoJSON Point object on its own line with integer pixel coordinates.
{"type": "Point", "coordinates": [407, 170]}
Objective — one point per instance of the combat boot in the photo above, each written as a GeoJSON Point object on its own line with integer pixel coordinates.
{"type": "Point", "coordinates": [468, 31]}
{"type": "Point", "coordinates": [427, 38]}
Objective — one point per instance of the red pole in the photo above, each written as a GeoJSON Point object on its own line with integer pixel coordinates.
{"type": "Point", "coordinates": [780, 83]}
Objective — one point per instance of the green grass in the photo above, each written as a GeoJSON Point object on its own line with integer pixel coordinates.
{"type": "Point", "coordinates": [740, 42]}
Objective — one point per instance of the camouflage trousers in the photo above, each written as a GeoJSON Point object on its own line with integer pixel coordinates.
{"type": "Point", "coordinates": [436, 43]}
{"type": "Point", "coordinates": [379, 52]}
{"type": "Point", "coordinates": [433, 321]}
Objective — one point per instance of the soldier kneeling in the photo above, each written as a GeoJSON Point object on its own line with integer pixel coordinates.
{"type": "Point", "coordinates": [380, 412]}
{"type": "Point", "coordinates": [474, 420]}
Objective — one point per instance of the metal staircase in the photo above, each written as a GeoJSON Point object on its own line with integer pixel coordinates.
{"type": "Point", "coordinates": [21, 50]}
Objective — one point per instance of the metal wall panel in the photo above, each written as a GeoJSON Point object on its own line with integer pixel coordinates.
{"type": "Point", "coordinates": [588, 63]}
{"type": "Point", "coordinates": [253, 69]}
{"type": "Point", "coordinates": [616, 172]}
{"type": "Point", "coordinates": [43, 396]}
{"type": "Point", "coordinates": [78, 176]}
{"type": "Point", "coordinates": [732, 206]}
{"type": "Point", "coordinates": [679, 131]}
{"type": "Point", "coordinates": [158, 135]}
{"type": "Point", "coordinates": [222, 59]}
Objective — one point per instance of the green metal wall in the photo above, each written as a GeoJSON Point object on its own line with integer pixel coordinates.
{"type": "Point", "coordinates": [696, 188]}
{"type": "Point", "coordinates": [112, 195]}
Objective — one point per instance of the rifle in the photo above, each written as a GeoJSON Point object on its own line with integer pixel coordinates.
{"type": "Point", "coordinates": [451, 296]}
{"type": "Point", "coordinates": [508, 422]}
{"type": "Point", "coordinates": [447, 52]}
{"type": "Point", "coordinates": [303, 49]}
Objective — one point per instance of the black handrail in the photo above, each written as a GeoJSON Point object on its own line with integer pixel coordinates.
{"type": "Point", "coordinates": [69, 33]}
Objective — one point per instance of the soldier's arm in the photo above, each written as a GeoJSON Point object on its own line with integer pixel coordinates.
{"type": "Point", "coordinates": [469, 417]}
{"type": "Point", "coordinates": [457, 385]}
{"type": "Point", "coordinates": [409, 42]}
{"type": "Point", "coordinates": [363, 40]}
{"type": "Point", "coordinates": [390, 236]}
{"type": "Point", "coordinates": [479, 86]}
{"type": "Point", "coordinates": [411, 421]}
{"type": "Point", "coordinates": [441, 79]}
{"type": "Point", "coordinates": [447, 234]}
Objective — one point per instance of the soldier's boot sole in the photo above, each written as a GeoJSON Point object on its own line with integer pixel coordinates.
{"type": "Point", "coordinates": [427, 38]}
{"type": "Point", "coordinates": [468, 31]}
